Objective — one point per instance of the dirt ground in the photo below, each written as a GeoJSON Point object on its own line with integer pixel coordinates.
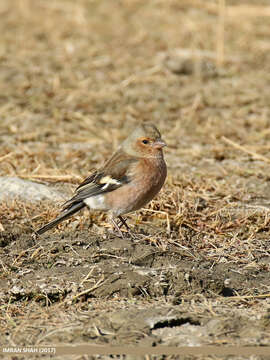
{"type": "Point", "coordinates": [75, 79]}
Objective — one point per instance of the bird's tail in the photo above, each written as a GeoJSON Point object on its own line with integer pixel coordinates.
{"type": "Point", "coordinates": [63, 216]}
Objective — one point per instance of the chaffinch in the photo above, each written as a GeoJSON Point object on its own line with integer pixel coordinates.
{"type": "Point", "coordinates": [127, 181]}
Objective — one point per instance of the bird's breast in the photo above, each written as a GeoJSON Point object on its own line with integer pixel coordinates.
{"type": "Point", "coordinates": [146, 179]}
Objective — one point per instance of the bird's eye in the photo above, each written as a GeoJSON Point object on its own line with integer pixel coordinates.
{"type": "Point", "coordinates": [145, 141]}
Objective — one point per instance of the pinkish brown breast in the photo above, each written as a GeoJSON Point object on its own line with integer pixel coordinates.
{"type": "Point", "coordinates": [148, 177]}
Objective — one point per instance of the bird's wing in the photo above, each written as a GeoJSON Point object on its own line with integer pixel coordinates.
{"type": "Point", "coordinates": [115, 173]}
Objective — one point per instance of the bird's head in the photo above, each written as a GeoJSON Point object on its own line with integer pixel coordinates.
{"type": "Point", "coordinates": [144, 141]}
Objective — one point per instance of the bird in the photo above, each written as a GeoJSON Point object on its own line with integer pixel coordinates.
{"type": "Point", "coordinates": [127, 181]}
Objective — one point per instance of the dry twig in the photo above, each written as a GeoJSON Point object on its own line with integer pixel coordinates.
{"type": "Point", "coordinates": [87, 291]}
{"type": "Point", "coordinates": [245, 297]}
{"type": "Point", "coordinates": [243, 149]}
{"type": "Point", "coordinates": [4, 157]}
{"type": "Point", "coordinates": [54, 178]}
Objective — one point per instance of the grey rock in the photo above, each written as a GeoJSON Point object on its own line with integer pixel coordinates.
{"type": "Point", "coordinates": [15, 188]}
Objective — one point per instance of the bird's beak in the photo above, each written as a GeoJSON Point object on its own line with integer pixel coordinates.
{"type": "Point", "coordinates": [159, 144]}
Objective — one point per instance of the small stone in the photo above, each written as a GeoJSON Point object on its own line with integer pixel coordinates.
{"type": "Point", "coordinates": [12, 188]}
{"type": "Point", "coordinates": [187, 62]}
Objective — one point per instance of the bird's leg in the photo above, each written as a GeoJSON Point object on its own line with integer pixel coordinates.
{"type": "Point", "coordinates": [117, 228]}
{"type": "Point", "coordinates": [123, 222]}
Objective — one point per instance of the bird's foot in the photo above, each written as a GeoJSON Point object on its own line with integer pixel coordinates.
{"type": "Point", "coordinates": [119, 225]}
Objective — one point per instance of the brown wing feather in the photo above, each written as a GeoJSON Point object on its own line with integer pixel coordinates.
{"type": "Point", "coordinates": [111, 176]}
{"type": "Point", "coordinates": [118, 165]}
